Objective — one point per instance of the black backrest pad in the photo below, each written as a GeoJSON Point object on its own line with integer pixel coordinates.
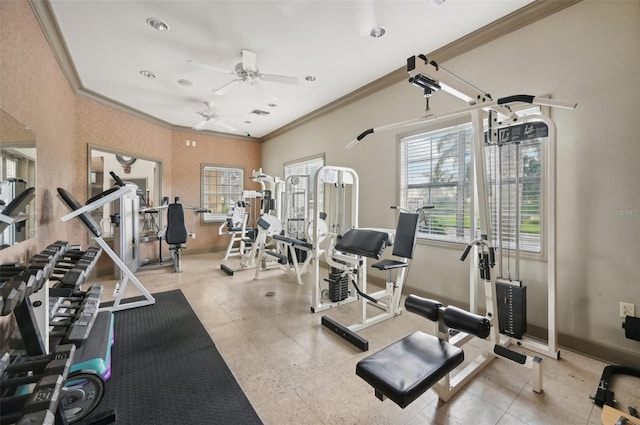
{"type": "Point", "coordinates": [425, 307]}
{"type": "Point", "coordinates": [406, 234]}
{"type": "Point", "coordinates": [176, 229]}
{"type": "Point", "coordinates": [465, 321]}
{"type": "Point", "coordinates": [73, 205]}
{"type": "Point", "coordinates": [368, 243]}
{"type": "Point", "coordinates": [17, 204]}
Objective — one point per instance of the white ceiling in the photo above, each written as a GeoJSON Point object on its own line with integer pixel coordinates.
{"type": "Point", "coordinates": [110, 42]}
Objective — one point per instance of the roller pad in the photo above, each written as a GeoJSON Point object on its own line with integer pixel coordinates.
{"type": "Point", "coordinates": [429, 309]}
{"type": "Point", "coordinates": [465, 321]}
{"type": "Point", "coordinates": [404, 370]}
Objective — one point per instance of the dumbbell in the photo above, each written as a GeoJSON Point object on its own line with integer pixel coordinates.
{"type": "Point", "coordinates": [12, 293]}
{"type": "Point", "coordinates": [49, 373]}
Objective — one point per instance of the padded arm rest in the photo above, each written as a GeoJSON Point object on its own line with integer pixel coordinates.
{"type": "Point", "coordinates": [429, 309]}
{"type": "Point", "coordinates": [465, 321]}
{"type": "Point", "coordinates": [367, 243]}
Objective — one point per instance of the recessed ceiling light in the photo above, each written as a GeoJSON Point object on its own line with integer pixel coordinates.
{"type": "Point", "coordinates": [185, 83]}
{"type": "Point", "coordinates": [310, 78]}
{"type": "Point", "coordinates": [158, 24]}
{"type": "Point", "coordinates": [377, 31]}
{"type": "Point", "coordinates": [148, 74]}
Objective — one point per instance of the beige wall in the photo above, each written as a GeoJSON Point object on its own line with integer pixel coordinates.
{"type": "Point", "coordinates": [34, 90]}
{"type": "Point", "coordinates": [588, 53]}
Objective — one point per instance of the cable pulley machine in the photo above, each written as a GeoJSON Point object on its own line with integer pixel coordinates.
{"type": "Point", "coordinates": [503, 127]}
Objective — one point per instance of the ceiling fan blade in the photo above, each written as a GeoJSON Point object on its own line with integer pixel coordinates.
{"type": "Point", "coordinates": [224, 125]}
{"type": "Point", "coordinates": [225, 88]}
{"type": "Point", "coordinates": [249, 60]}
{"type": "Point", "coordinates": [209, 67]}
{"type": "Point", "coordinates": [294, 81]}
{"type": "Point", "coordinates": [200, 124]}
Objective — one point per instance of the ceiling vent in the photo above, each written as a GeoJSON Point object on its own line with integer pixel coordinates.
{"type": "Point", "coordinates": [260, 112]}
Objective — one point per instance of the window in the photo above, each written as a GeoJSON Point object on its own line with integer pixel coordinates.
{"type": "Point", "coordinates": [221, 187]}
{"type": "Point", "coordinates": [304, 167]}
{"type": "Point", "coordinates": [435, 169]}
{"type": "Point", "coordinates": [518, 176]}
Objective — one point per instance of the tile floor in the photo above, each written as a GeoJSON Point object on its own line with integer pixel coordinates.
{"type": "Point", "coordinates": [295, 371]}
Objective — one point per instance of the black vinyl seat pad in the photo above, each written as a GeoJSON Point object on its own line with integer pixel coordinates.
{"type": "Point", "coordinates": [404, 370]}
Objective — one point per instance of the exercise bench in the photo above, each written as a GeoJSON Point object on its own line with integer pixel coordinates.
{"type": "Point", "coordinates": [404, 370]}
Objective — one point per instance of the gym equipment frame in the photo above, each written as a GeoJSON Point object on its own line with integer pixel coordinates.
{"type": "Point", "coordinates": [430, 77]}
{"type": "Point", "coordinates": [82, 212]}
{"type": "Point", "coordinates": [339, 179]}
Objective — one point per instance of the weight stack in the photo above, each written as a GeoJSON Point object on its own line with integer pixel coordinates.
{"type": "Point", "coordinates": [338, 285]}
{"type": "Point", "coordinates": [512, 307]}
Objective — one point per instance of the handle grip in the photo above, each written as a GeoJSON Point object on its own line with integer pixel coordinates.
{"type": "Point", "coordinates": [118, 180]}
{"type": "Point", "coordinates": [465, 253]}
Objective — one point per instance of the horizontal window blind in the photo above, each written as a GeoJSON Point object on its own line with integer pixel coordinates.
{"type": "Point", "coordinates": [435, 171]}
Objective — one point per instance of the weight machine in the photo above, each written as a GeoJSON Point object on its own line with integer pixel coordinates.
{"type": "Point", "coordinates": [252, 249]}
{"type": "Point", "coordinates": [83, 213]}
{"type": "Point", "coordinates": [346, 251]}
{"type": "Point", "coordinates": [503, 126]}
{"type": "Point", "coordinates": [294, 246]}
{"type": "Point", "coordinates": [336, 197]}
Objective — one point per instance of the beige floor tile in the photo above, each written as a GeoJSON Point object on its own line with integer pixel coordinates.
{"type": "Point", "coordinates": [296, 371]}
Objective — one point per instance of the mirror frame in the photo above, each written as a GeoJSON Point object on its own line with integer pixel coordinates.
{"type": "Point", "coordinates": [125, 159]}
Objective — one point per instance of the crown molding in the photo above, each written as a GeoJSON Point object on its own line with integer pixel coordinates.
{"type": "Point", "coordinates": [520, 18]}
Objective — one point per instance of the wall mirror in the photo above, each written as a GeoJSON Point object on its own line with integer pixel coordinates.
{"type": "Point", "coordinates": [143, 172]}
{"type": "Point", "coordinates": [17, 175]}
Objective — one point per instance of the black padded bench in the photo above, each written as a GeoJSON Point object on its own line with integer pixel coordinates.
{"type": "Point", "coordinates": [404, 370]}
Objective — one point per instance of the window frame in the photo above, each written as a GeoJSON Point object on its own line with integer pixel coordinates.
{"type": "Point", "coordinates": [218, 217]}
{"type": "Point", "coordinates": [434, 128]}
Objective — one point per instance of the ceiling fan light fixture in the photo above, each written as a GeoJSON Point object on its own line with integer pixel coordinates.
{"type": "Point", "coordinates": [148, 74]}
{"type": "Point", "coordinates": [377, 31]}
{"type": "Point", "coordinates": [273, 105]}
{"type": "Point", "coordinates": [310, 78]}
{"type": "Point", "coordinates": [158, 24]}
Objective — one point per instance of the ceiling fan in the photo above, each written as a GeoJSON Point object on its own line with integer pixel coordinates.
{"type": "Point", "coordinates": [210, 117]}
{"type": "Point", "coordinates": [247, 72]}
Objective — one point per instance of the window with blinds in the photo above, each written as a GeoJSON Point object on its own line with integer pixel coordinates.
{"type": "Point", "coordinates": [518, 177]}
{"type": "Point", "coordinates": [435, 169]}
{"type": "Point", "coordinates": [221, 187]}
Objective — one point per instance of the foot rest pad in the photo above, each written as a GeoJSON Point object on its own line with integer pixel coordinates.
{"type": "Point", "coordinates": [407, 368]}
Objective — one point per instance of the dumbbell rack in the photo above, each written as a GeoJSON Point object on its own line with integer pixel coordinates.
{"type": "Point", "coordinates": [53, 313]}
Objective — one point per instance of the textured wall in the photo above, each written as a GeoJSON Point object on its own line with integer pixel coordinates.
{"type": "Point", "coordinates": [187, 168]}
{"type": "Point", "coordinates": [587, 53]}
{"type": "Point", "coordinates": [34, 90]}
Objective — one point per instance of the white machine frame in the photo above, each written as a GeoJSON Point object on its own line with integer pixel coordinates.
{"type": "Point", "coordinates": [128, 275]}
{"type": "Point", "coordinates": [339, 177]}
{"type": "Point", "coordinates": [430, 77]}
